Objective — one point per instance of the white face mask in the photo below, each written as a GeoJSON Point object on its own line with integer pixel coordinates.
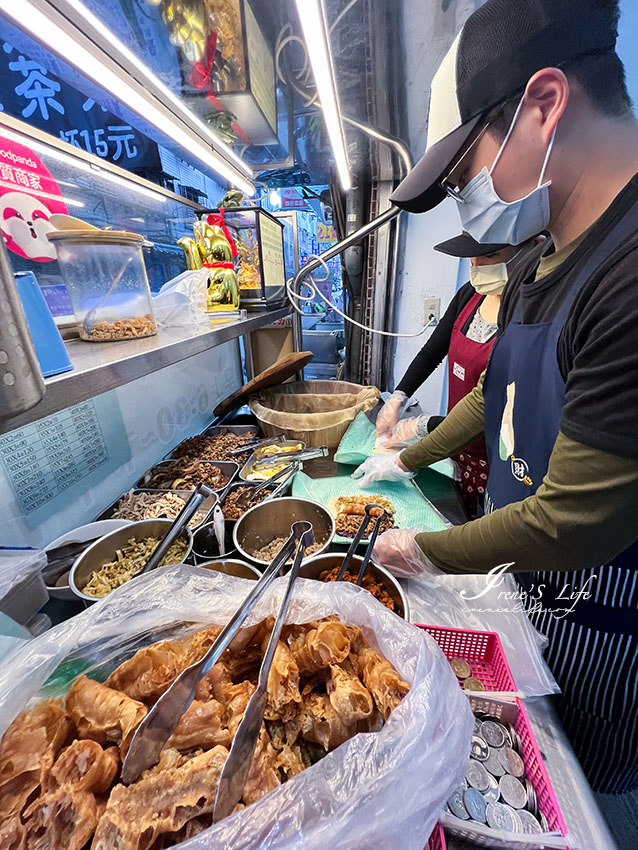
{"type": "Point", "coordinates": [487, 218]}
{"type": "Point", "coordinates": [489, 280]}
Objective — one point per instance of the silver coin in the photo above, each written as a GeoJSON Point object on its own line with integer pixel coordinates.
{"type": "Point", "coordinates": [492, 794]}
{"type": "Point", "coordinates": [512, 791]}
{"type": "Point", "coordinates": [511, 761]}
{"type": "Point", "coordinates": [492, 733]}
{"type": "Point", "coordinates": [476, 776]}
{"type": "Point", "coordinates": [532, 802]}
{"type": "Point", "coordinates": [518, 823]}
{"type": "Point", "coordinates": [493, 764]}
{"type": "Point", "coordinates": [475, 804]}
{"type": "Point", "coordinates": [544, 823]}
{"type": "Point", "coordinates": [477, 725]}
{"type": "Point", "coordinates": [479, 749]}
{"type": "Point", "coordinates": [456, 804]}
{"type": "Point", "coordinates": [500, 816]}
{"type": "Point", "coordinates": [530, 825]}
{"type": "Point", "coordinates": [508, 729]}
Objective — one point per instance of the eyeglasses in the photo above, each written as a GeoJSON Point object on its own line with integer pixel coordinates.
{"type": "Point", "coordinates": [451, 189]}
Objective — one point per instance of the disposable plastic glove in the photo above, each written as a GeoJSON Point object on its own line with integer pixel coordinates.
{"type": "Point", "coordinates": [398, 551]}
{"type": "Point", "coordinates": [406, 432]}
{"type": "Point", "coordinates": [390, 412]}
{"type": "Point", "coordinates": [381, 468]}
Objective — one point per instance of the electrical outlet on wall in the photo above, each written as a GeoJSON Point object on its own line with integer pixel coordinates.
{"type": "Point", "coordinates": [431, 310]}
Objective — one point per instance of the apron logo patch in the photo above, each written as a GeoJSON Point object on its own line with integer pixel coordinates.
{"type": "Point", "coordinates": [520, 470]}
{"type": "Point", "coordinates": [458, 372]}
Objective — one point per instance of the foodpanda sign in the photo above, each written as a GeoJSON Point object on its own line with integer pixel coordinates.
{"type": "Point", "coordinates": [28, 197]}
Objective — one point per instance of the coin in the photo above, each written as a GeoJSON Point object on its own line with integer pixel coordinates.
{"type": "Point", "coordinates": [500, 816]}
{"type": "Point", "coordinates": [476, 776]}
{"type": "Point", "coordinates": [512, 791]}
{"type": "Point", "coordinates": [532, 802]}
{"type": "Point", "coordinates": [492, 794]}
{"type": "Point", "coordinates": [493, 764]}
{"type": "Point", "coordinates": [544, 823]}
{"type": "Point", "coordinates": [477, 725]}
{"type": "Point", "coordinates": [530, 825]}
{"type": "Point", "coordinates": [475, 804]}
{"type": "Point", "coordinates": [456, 804]}
{"type": "Point", "coordinates": [461, 667]}
{"type": "Point", "coordinates": [479, 749]}
{"type": "Point", "coordinates": [511, 761]}
{"type": "Point", "coordinates": [508, 729]}
{"type": "Point", "coordinates": [473, 684]}
{"type": "Point", "coordinates": [493, 733]}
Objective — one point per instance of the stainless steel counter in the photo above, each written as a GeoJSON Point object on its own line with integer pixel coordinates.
{"type": "Point", "coordinates": [103, 366]}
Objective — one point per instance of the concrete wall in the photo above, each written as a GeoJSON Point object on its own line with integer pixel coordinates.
{"type": "Point", "coordinates": [422, 272]}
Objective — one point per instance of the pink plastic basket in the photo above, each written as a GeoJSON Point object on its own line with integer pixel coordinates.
{"type": "Point", "coordinates": [485, 654]}
{"type": "Point", "coordinates": [483, 650]}
{"type": "Point", "coordinates": [437, 839]}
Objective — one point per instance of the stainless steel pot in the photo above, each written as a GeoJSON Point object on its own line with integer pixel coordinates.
{"type": "Point", "coordinates": [105, 549]}
{"type": "Point", "coordinates": [231, 567]}
{"type": "Point", "coordinates": [316, 564]}
{"type": "Point", "coordinates": [268, 520]}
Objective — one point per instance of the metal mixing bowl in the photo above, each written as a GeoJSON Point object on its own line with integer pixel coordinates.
{"type": "Point", "coordinates": [105, 549]}
{"type": "Point", "coordinates": [316, 564]}
{"type": "Point", "coordinates": [268, 520]}
{"type": "Point", "coordinates": [231, 567]}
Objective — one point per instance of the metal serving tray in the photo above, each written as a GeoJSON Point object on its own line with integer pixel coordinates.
{"type": "Point", "coordinates": [228, 467]}
{"type": "Point", "coordinates": [208, 503]}
{"type": "Point", "coordinates": [246, 468]}
{"type": "Point", "coordinates": [212, 430]}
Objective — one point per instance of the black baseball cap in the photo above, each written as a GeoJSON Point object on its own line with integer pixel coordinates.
{"type": "Point", "coordinates": [464, 245]}
{"type": "Point", "coordinates": [500, 47]}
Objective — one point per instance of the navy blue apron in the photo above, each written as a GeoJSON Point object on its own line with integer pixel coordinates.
{"type": "Point", "coordinates": [593, 652]}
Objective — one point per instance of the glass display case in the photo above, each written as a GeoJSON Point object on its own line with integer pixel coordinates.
{"type": "Point", "coordinates": [259, 259]}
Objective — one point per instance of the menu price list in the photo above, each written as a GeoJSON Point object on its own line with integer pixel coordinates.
{"type": "Point", "coordinates": [45, 458]}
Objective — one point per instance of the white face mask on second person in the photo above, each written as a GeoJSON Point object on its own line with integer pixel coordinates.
{"type": "Point", "coordinates": [488, 218]}
{"type": "Point", "coordinates": [489, 280]}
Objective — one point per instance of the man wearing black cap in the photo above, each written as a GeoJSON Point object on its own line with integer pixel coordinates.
{"type": "Point", "coordinates": [466, 336]}
{"type": "Point", "coordinates": [531, 128]}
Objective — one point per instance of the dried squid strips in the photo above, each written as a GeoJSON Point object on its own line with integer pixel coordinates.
{"type": "Point", "coordinates": [102, 714]}
{"type": "Point", "coordinates": [328, 643]}
{"type": "Point", "coordinates": [27, 751]}
{"type": "Point", "coordinates": [382, 680]}
{"type": "Point", "coordinates": [159, 803]}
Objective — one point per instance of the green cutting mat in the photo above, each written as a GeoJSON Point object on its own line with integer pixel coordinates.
{"type": "Point", "coordinates": [411, 508]}
{"type": "Point", "coordinates": [357, 444]}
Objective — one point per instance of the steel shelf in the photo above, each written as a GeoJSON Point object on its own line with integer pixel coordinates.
{"type": "Point", "coordinates": [100, 367]}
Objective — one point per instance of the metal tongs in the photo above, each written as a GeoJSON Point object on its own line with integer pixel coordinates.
{"type": "Point", "coordinates": [200, 494]}
{"type": "Point", "coordinates": [237, 765]}
{"type": "Point", "coordinates": [275, 460]}
{"type": "Point", "coordinates": [153, 732]}
{"type": "Point", "coordinates": [251, 447]}
{"type": "Point", "coordinates": [249, 494]}
{"type": "Point", "coordinates": [357, 539]}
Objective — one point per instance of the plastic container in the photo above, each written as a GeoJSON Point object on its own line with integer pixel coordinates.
{"type": "Point", "coordinates": [483, 650]}
{"type": "Point", "coordinates": [22, 590]}
{"type": "Point", "coordinates": [49, 346]}
{"type": "Point", "coordinates": [106, 281]}
{"type": "Point", "coordinates": [437, 839]}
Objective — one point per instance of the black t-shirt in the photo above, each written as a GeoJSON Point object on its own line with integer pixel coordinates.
{"type": "Point", "coordinates": [598, 346]}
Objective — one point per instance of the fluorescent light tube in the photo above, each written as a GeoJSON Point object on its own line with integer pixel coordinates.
{"type": "Point", "coordinates": [47, 31]}
{"type": "Point", "coordinates": [315, 31]}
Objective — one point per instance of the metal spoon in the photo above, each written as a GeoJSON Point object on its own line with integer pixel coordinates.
{"type": "Point", "coordinates": [89, 320]}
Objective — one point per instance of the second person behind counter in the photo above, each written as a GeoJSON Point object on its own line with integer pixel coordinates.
{"type": "Point", "coordinates": [466, 335]}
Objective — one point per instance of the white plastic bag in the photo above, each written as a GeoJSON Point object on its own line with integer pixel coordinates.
{"type": "Point", "coordinates": [438, 601]}
{"type": "Point", "coordinates": [182, 300]}
{"type": "Point", "coordinates": [376, 791]}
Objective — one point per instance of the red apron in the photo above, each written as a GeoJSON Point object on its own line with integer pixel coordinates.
{"type": "Point", "coordinates": [467, 360]}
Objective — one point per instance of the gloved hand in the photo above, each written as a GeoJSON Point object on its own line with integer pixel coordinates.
{"type": "Point", "coordinates": [405, 432]}
{"type": "Point", "coordinates": [398, 551]}
{"type": "Point", "coordinates": [381, 468]}
{"type": "Point", "coordinates": [390, 412]}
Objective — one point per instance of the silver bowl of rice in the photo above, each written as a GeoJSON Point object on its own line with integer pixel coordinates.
{"type": "Point", "coordinates": [121, 555]}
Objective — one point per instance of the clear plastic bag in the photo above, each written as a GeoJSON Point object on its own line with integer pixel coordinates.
{"type": "Point", "coordinates": [378, 790]}
{"type": "Point", "coordinates": [437, 601]}
{"type": "Point", "coordinates": [182, 300]}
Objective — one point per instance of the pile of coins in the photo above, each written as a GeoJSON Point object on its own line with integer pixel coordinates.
{"type": "Point", "coordinates": [463, 673]}
{"type": "Point", "coordinates": [495, 790]}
